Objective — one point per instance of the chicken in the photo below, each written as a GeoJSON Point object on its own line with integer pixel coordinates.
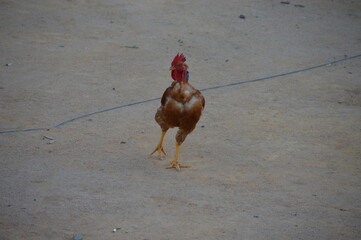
{"type": "Point", "coordinates": [181, 106]}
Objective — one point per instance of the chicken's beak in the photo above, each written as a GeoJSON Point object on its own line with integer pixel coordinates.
{"type": "Point", "coordinates": [172, 68]}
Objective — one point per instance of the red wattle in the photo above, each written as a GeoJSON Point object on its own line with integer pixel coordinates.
{"type": "Point", "coordinates": [177, 75]}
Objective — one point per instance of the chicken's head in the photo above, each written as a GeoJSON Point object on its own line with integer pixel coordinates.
{"type": "Point", "coordinates": [179, 68]}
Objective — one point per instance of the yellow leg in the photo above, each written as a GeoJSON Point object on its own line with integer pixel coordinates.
{"type": "Point", "coordinates": [159, 148]}
{"type": "Point", "coordinates": [175, 164]}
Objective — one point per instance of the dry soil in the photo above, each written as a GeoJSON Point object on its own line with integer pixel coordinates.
{"type": "Point", "coordinates": [274, 159]}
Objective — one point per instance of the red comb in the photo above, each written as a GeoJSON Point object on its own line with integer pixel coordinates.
{"type": "Point", "coordinates": [180, 58]}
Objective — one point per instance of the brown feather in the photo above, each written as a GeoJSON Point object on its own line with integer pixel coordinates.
{"type": "Point", "coordinates": [181, 106]}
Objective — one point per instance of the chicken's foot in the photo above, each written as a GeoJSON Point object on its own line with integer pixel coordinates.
{"type": "Point", "coordinates": [159, 148]}
{"type": "Point", "coordinates": [175, 164]}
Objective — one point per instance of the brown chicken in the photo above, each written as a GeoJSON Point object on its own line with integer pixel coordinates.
{"type": "Point", "coordinates": [181, 106]}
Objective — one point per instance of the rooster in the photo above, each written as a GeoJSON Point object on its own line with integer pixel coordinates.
{"type": "Point", "coordinates": [181, 106]}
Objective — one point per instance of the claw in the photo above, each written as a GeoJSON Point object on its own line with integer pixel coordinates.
{"type": "Point", "coordinates": [160, 150]}
{"type": "Point", "coordinates": [175, 164]}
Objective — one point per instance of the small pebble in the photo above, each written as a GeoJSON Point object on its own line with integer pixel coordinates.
{"type": "Point", "coordinates": [116, 229]}
{"type": "Point", "coordinates": [135, 47]}
{"type": "Point", "coordinates": [242, 16]}
{"type": "Point", "coordinates": [78, 237]}
{"type": "Point", "coordinates": [47, 137]}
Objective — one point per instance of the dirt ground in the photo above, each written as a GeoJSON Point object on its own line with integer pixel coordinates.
{"type": "Point", "coordinates": [275, 159]}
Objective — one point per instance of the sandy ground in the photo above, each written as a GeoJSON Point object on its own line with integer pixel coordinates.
{"type": "Point", "coordinates": [276, 159]}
